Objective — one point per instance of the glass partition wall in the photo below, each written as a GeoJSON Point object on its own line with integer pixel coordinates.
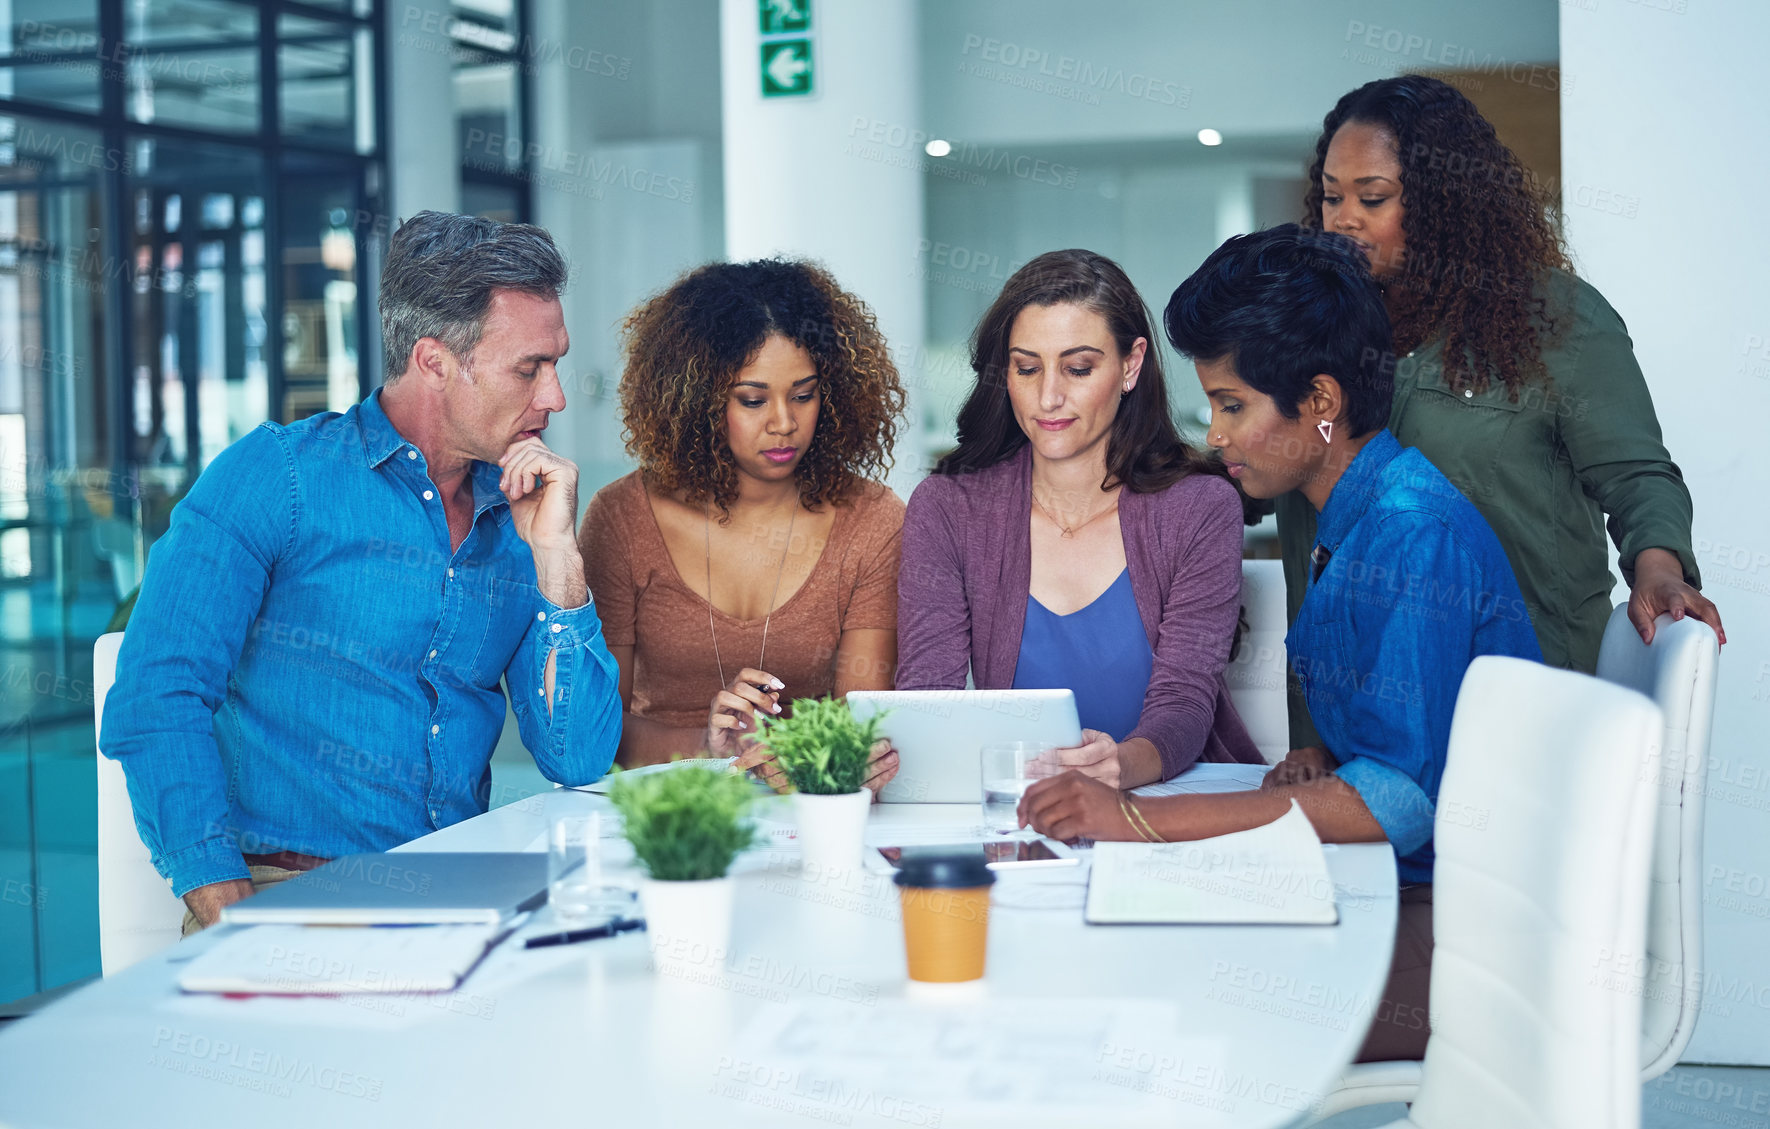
{"type": "Point", "coordinates": [190, 193]}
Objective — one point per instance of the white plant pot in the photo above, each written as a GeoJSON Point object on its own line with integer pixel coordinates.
{"type": "Point", "coordinates": [688, 926]}
{"type": "Point", "coordinates": [832, 830]}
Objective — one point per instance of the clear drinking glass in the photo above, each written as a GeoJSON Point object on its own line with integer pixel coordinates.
{"type": "Point", "coordinates": [1008, 768]}
{"type": "Point", "coordinates": [574, 868]}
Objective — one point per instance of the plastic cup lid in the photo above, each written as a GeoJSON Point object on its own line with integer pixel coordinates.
{"type": "Point", "coordinates": [944, 869]}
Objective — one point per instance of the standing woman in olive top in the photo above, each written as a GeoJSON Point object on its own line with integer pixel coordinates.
{"type": "Point", "coordinates": [1073, 539]}
{"type": "Point", "coordinates": [750, 559]}
{"type": "Point", "coordinates": [1518, 380]}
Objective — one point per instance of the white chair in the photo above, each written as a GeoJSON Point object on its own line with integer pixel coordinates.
{"type": "Point", "coordinates": [1678, 672]}
{"type": "Point", "coordinates": [137, 912]}
{"type": "Point", "coordinates": [1256, 673]}
{"type": "Point", "coordinates": [1544, 842]}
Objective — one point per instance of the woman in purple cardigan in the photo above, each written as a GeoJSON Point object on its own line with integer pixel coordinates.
{"type": "Point", "coordinates": [1073, 539]}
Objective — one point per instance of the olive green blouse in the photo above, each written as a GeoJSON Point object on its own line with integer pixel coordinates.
{"type": "Point", "coordinates": [1548, 470]}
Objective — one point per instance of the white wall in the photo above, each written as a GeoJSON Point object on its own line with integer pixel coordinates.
{"type": "Point", "coordinates": [1664, 166]}
{"type": "Point", "coordinates": [423, 152]}
{"type": "Point", "coordinates": [1166, 68]}
{"type": "Point", "coordinates": [836, 176]}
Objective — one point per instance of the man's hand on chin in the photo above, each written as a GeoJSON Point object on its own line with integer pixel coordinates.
{"type": "Point", "coordinates": [207, 902]}
{"type": "Point", "coordinates": [543, 491]}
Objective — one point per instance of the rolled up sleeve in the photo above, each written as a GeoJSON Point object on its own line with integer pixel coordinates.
{"type": "Point", "coordinates": [573, 741]}
{"type": "Point", "coordinates": [1411, 607]}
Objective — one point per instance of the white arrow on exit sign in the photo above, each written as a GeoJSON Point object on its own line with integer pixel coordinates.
{"type": "Point", "coordinates": [786, 67]}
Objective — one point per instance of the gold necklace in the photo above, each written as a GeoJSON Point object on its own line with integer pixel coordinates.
{"type": "Point", "coordinates": [780, 570]}
{"type": "Point", "coordinates": [1067, 532]}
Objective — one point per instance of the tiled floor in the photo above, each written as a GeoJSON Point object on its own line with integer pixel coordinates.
{"type": "Point", "coordinates": [1686, 1097]}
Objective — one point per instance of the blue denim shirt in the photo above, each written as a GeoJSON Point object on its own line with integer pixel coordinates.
{"type": "Point", "coordinates": [311, 667]}
{"type": "Point", "coordinates": [1415, 588]}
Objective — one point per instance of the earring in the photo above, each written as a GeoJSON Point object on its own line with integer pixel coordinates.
{"type": "Point", "coordinates": [1126, 391]}
{"type": "Point", "coordinates": [1326, 427]}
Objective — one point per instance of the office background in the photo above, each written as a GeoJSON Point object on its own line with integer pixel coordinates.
{"type": "Point", "coordinates": [194, 196]}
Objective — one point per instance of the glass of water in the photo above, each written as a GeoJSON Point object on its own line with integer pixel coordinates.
{"type": "Point", "coordinates": [1008, 768]}
{"type": "Point", "coordinates": [574, 869]}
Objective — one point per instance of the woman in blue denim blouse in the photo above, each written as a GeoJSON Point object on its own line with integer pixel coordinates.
{"type": "Point", "coordinates": [1408, 585]}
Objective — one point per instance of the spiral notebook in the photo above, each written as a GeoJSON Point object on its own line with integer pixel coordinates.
{"type": "Point", "coordinates": [1271, 875]}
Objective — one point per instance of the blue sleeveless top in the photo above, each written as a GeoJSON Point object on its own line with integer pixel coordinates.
{"type": "Point", "coordinates": [1100, 652]}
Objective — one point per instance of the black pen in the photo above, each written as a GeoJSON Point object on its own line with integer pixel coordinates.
{"type": "Point", "coordinates": [607, 929]}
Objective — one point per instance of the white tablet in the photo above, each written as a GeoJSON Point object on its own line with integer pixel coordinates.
{"type": "Point", "coordinates": [939, 735]}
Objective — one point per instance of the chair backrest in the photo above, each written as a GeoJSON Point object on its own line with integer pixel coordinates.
{"type": "Point", "coordinates": [1256, 674]}
{"type": "Point", "coordinates": [137, 912]}
{"type": "Point", "coordinates": [1543, 837]}
{"type": "Point", "coordinates": [1677, 671]}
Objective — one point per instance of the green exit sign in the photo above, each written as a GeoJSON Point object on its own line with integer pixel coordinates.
{"type": "Point", "coordinates": [784, 17]}
{"type": "Point", "coordinates": [786, 67]}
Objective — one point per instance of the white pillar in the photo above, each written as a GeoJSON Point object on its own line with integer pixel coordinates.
{"type": "Point", "coordinates": [423, 149]}
{"type": "Point", "coordinates": [1663, 167]}
{"type": "Point", "coordinates": [836, 175]}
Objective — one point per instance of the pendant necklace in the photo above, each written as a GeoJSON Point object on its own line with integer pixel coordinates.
{"type": "Point", "coordinates": [779, 571]}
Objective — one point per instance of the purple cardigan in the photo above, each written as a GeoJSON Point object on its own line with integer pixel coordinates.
{"type": "Point", "coordinates": [967, 568]}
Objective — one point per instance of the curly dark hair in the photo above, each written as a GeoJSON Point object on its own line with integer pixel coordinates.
{"type": "Point", "coordinates": [1478, 236]}
{"type": "Point", "coordinates": [685, 347]}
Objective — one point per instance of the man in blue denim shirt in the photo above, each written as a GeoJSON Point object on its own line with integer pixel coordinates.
{"type": "Point", "coordinates": [314, 665]}
{"type": "Point", "coordinates": [1290, 337]}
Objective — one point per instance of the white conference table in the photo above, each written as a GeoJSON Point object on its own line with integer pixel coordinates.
{"type": "Point", "coordinates": [1133, 1025]}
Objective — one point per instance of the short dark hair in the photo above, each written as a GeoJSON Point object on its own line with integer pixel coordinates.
{"type": "Point", "coordinates": [1144, 450]}
{"type": "Point", "coordinates": [441, 271]}
{"type": "Point", "coordinates": [1284, 304]}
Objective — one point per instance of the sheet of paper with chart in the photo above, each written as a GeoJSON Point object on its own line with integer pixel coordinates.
{"type": "Point", "coordinates": [1271, 875]}
{"type": "Point", "coordinates": [1010, 1062]}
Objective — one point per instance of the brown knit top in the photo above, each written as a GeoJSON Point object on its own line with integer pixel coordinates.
{"type": "Point", "coordinates": [644, 603]}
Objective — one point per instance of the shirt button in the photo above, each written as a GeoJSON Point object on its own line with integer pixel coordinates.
{"type": "Point", "coordinates": [433, 654]}
{"type": "Point", "coordinates": [1468, 393]}
{"type": "Point", "coordinates": [435, 729]}
{"type": "Point", "coordinates": [540, 615]}
{"type": "Point", "coordinates": [451, 574]}
{"type": "Point", "coordinates": [429, 494]}
{"type": "Point", "coordinates": [411, 454]}
{"type": "Point", "coordinates": [558, 628]}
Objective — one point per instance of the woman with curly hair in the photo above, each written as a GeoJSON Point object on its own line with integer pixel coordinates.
{"type": "Point", "coordinates": [751, 558]}
{"type": "Point", "coordinates": [1073, 540]}
{"type": "Point", "coordinates": [1516, 378]}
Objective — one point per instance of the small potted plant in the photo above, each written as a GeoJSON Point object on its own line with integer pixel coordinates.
{"type": "Point", "coordinates": [825, 753]}
{"type": "Point", "coordinates": [686, 827]}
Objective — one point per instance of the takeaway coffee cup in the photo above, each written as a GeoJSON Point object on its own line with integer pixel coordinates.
{"type": "Point", "coordinates": [945, 914]}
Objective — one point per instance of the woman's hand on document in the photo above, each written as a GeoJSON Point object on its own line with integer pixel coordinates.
{"type": "Point", "coordinates": [1075, 806]}
{"type": "Point", "coordinates": [1300, 766]}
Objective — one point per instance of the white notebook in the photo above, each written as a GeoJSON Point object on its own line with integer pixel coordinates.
{"type": "Point", "coordinates": [1271, 875]}
{"type": "Point", "coordinates": [306, 960]}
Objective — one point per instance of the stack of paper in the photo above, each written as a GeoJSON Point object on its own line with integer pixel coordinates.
{"type": "Point", "coordinates": [1208, 777]}
{"type": "Point", "coordinates": [1276, 874]}
{"type": "Point", "coordinates": [327, 960]}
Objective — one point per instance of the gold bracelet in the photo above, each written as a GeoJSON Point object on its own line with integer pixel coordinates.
{"type": "Point", "coordinates": [1152, 835]}
{"type": "Point", "coordinates": [1125, 810]}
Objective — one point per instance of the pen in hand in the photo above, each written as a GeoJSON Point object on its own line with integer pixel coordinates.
{"type": "Point", "coordinates": [572, 937]}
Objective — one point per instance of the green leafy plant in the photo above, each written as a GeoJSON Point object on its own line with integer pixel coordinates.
{"type": "Point", "coordinates": [822, 749]}
{"type": "Point", "coordinates": [686, 825]}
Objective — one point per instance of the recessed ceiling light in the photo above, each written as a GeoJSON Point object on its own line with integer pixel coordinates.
{"type": "Point", "coordinates": [1209, 137]}
{"type": "Point", "coordinates": [938, 148]}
